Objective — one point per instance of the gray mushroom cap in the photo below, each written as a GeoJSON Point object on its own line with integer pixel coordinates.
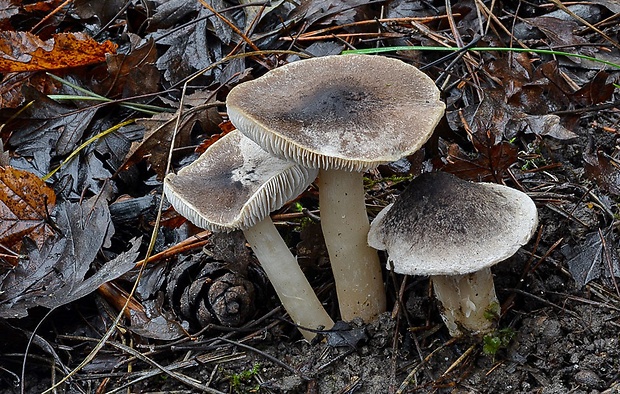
{"type": "Point", "coordinates": [350, 112]}
{"type": "Point", "coordinates": [442, 225]}
{"type": "Point", "coordinates": [234, 185]}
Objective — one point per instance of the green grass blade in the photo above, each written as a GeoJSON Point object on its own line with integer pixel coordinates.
{"type": "Point", "coordinates": [59, 97]}
{"type": "Point", "coordinates": [85, 144]}
{"type": "Point", "coordinates": [144, 108]}
{"type": "Point", "coordinates": [479, 49]}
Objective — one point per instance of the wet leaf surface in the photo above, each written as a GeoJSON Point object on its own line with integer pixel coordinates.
{"type": "Point", "coordinates": [14, 12]}
{"type": "Point", "coordinates": [604, 170]}
{"type": "Point", "coordinates": [14, 88]}
{"type": "Point", "coordinates": [339, 12]}
{"type": "Point", "coordinates": [559, 32]}
{"type": "Point", "coordinates": [612, 5]}
{"type": "Point", "coordinates": [46, 130]}
{"type": "Point", "coordinates": [596, 257]}
{"type": "Point", "coordinates": [8, 8]}
{"type": "Point", "coordinates": [132, 74]}
{"type": "Point", "coordinates": [21, 51]}
{"type": "Point", "coordinates": [187, 51]}
{"type": "Point", "coordinates": [25, 205]}
{"type": "Point", "coordinates": [54, 274]}
{"type": "Point", "coordinates": [488, 165]}
{"type": "Point", "coordinates": [344, 334]}
{"type": "Point", "coordinates": [596, 91]}
{"type": "Point", "coordinates": [159, 132]}
{"type": "Point", "coordinates": [103, 11]}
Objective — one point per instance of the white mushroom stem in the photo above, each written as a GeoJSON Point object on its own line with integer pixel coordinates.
{"type": "Point", "coordinates": [356, 266]}
{"type": "Point", "coordinates": [469, 303]}
{"type": "Point", "coordinates": [288, 280]}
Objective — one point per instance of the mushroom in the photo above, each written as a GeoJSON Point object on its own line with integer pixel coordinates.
{"type": "Point", "coordinates": [454, 231]}
{"type": "Point", "coordinates": [235, 185]}
{"type": "Point", "coordinates": [344, 115]}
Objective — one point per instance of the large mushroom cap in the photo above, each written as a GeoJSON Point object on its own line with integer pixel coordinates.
{"type": "Point", "coordinates": [234, 185]}
{"type": "Point", "coordinates": [442, 225]}
{"type": "Point", "coordinates": [350, 112]}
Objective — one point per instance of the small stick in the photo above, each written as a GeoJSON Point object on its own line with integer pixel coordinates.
{"type": "Point", "coordinates": [191, 243]}
{"type": "Point", "coordinates": [51, 14]}
{"type": "Point", "coordinates": [459, 360]}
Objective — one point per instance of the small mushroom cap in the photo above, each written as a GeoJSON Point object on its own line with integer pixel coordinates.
{"type": "Point", "coordinates": [350, 112]}
{"type": "Point", "coordinates": [234, 185]}
{"type": "Point", "coordinates": [442, 225]}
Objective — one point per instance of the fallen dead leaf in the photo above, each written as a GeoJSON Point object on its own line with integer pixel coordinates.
{"type": "Point", "coordinates": [23, 51]}
{"type": "Point", "coordinates": [611, 5]}
{"type": "Point", "coordinates": [508, 120]}
{"type": "Point", "coordinates": [132, 74]}
{"type": "Point", "coordinates": [46, 130]}
{"type": "Point", "coordinates": [559, 32]}
{"type": "Point", "coordinates": [102, 10]}
{"type": "Point", "coordinates": [54, 274]}
{"type": "Point", "coordinates": [594, 258]}
{"type": "Point", "coordinates": [12, 87]}
{"type": "Point", "coordinates": [25, 203]}
{"type": "Point", "coordinates": [156, 142]}
{"type": "Point", "coordinates": [15, 13]}
{"type": "Point", "coordinates": [8, 8]}
{"type": "Point", "coordinates": [598, 90]}
{"type": "Point", "coordinates": [543, 125]}
{"type": "Point", "coordinates": [188, 50]}
{"type": "Point", "coordinates": [488, 165]}
{"type": "Point", "coordinates": [331, 12]}
{"type": "Point", "coordinates": [603, 169]}
{"type": "Point", "coordinates": [159, 132]}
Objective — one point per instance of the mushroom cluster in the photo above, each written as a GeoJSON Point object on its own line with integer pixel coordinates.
{"type": "Point", "coordinates": [454, 231]}
{"type": "Point", "coordinates": [335, 116]}
{"type": "Point", "coordinates": [343, 115]}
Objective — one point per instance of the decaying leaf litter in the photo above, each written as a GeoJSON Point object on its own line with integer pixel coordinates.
{"type": "Point", "coordinates": [203, 315]}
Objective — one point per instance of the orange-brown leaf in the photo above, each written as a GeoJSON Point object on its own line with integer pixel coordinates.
{"type": "Point", "coordinates": [226, 127]}
{"type": "Point", "coordinates": [23, 51]}
{"type": "Point", "coordinates": [24, 204]}
{"type": "Point", "coordinates": [42, 6]}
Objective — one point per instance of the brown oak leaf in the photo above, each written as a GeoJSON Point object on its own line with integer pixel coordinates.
{"type": "Point", "coordinates": [25, 201]}
{"type": "Point", "coordinates": [23, 51]}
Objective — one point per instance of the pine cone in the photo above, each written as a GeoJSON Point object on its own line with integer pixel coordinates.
{"type": "Point", "coordinates": [203, 290]}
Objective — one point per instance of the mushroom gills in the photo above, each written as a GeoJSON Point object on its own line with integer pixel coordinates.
{"type": "Point", "coordinates": [234, 185]}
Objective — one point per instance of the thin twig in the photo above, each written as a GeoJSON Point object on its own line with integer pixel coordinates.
{"type": "Point", "coordinates": [180, 377]}
{"type": "Point", "coordinates": [267, 356]}
{"type": "Point", "coordinates": [149, 251]}
{"type": "Point", "coordinates": [414, 371]}
{"type": "Point", "coordinates": [51, 14]}
{"type": "Point", "coordinates": [546, 302]}
{"type": "Point", "coordinates": [194, 242]}
{"type": "Point", "coordinates": [369, 22]}
{"type": "Point", "coordinates": [230, 24]}
{"type": "Point", "coordinates": [459, 360]}
{"type": "Point", "coordinates": [561, 6]}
